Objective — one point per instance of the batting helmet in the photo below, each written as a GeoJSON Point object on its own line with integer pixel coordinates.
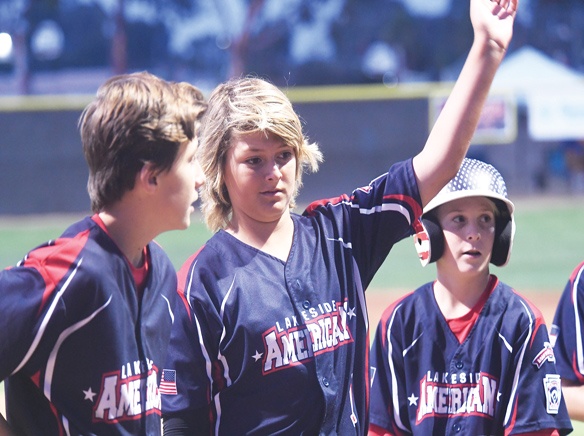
{"type": "Point", "coordinates": [474, 179]}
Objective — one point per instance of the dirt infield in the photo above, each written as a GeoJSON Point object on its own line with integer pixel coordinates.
{"type": "Point", "coordinates": [378, 300]}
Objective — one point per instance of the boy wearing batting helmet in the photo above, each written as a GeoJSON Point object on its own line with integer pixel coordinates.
{"type": "Point", "coordinates": [272, 335]}
{"type": "Point", "coordinates": [86, 318]}
{"type": "Point", "coordinates": [465, 354]}
{"type": "Point", "coordinates": [567, 334]}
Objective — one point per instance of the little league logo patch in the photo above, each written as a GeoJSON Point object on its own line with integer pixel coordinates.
{"type": "Point", "coordinates": [552, 385]}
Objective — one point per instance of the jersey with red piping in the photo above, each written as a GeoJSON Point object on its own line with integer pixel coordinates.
{"type": "Point", "coordinates": [567, 330]}
{"type": "Point", "coordinates": [279, 347]}
{"type": "Point", "coordinates": [79, 352]}
{"type": "Point", "coordinates": [500, 380]}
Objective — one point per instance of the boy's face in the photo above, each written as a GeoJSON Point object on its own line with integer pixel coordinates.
{"type": "Point", "coordinates": [469, 232]}
{"type": "Point", "coordinates": [260, 176]}
{"type": "Point", "coordinates": [179, 188]}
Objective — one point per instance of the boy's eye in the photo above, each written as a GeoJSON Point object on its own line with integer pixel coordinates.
{"type": "Point", "coordinates": [286, 155]}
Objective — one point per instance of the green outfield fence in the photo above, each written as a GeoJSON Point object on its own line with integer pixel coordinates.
{"type": "Point", "coordinates": [361, 129]}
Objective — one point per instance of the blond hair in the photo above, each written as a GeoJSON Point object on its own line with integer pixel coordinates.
{"type": "Point", "coordinates": [242, 106]}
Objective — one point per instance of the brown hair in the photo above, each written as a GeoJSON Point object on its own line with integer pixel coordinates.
{"type": "Point", "coordinates": [135, 118]}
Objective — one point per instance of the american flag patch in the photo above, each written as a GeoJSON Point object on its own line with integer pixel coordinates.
{"type": "Point", "coordinates": [554, 332]}
{"type": "Point", "coordinates": [168, 382]}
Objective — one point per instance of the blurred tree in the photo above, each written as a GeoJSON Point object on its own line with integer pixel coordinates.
{"type": "Point", "coordinates": [558, 30]}
{"type": "Point", "coordinates": [293, 42]}
{"type": "Point", "coordinates": [368, 22]}
{"type": "Point", "coordinates": [20, 17]}
{"type": "Point", "coordinates": [264, 36]}
{"type": "Point", "coordinates": [240, 43]}
{"type": "Point", "coordinates": [162, 10]}
{"type": "Point", "coordinates": [119, 52]}
{"type": "Point", "coordinates": [86, 42]}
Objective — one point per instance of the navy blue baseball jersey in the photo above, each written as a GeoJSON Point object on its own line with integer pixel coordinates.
{"type": "Point", "coordinates": [275, 347]}
{"type": "Point", "coordinates": [567, 329]}
{"type": "Point", "coordinates": [80, 352]}
{"type": "Point", "coordinates": [500, 380]}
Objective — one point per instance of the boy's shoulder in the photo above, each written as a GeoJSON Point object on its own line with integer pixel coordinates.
{"type": "Point", "coordinates": [577, 275]}
{"type": "Point", "coordinates": [217, 253]}
{"type": "Point", "coordinates": [516, 307]}
{"type": "Point", "coordinates": [78, 253]}
{"type": "Point", "coordinates": [415, 303]}
{"type": "Point", "coordinates": [61, 250]}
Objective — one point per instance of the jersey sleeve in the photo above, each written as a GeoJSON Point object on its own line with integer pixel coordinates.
{"type": "Point", "coordinates": [383, 213]}
{"type": "Point", "coordinates": [374, 217]}
{"type": "Point", "coordinates": [387, 410]}
{"type": "Point", "coordinates": [536, 399]}
{"type": "Point", "coordinates": [32, 312]}
{"type": "Point", "coordinates": [17, 311]}
{"type": "Point", "coordinates": [189, 369]}
{"type": "Point", "coordinates": [567, 329]}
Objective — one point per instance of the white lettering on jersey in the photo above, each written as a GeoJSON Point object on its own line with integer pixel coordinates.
{"type": "Point", "coordinates": [121, 393]}
{"type": "Point", "coordinates": [444, 394]}
{"type": "Point", "coordinates": [325, 329]}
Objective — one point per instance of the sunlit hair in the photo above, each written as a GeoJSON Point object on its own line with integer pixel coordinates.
{"type": "Point", "coordinates": [242, 106]}
{"type": "Point", "coordinates": [135, 119]}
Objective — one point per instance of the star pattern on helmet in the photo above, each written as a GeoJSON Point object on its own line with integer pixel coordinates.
{"type": "Point", "coordinates": [477, 175]}
{"type": "Point", "coordinates": [474, 178]}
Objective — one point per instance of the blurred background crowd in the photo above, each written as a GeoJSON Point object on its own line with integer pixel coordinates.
{"type": "Point", "coordinates": [294, 42]}
{"type": "Point", "coordinates": [394, 58]}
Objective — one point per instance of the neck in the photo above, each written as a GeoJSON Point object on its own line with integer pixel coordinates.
{"type": "Point", "coordinates": [127, 236]}
{"type": "Point", "coordinates": [274, 238]}
{"type": "Point", "coordinates": [455, 297]}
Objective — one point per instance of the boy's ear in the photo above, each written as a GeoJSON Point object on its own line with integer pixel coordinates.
{"type": "Point", "coordinates": [147, 176]}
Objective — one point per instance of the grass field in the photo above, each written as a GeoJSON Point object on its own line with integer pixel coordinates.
{"type": "Point", "coordinates": [549, 243]}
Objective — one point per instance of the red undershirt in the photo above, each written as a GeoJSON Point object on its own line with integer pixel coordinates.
{"type": "Point", "coordinates": [462, 326]}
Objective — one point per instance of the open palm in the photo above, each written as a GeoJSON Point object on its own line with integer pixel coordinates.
{"type": "Point", "coordinates": [493, 20]}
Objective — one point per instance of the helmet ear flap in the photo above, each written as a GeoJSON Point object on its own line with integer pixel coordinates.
{"type": "Point", "coordinates": [503, 240]}
{"type": "Point", "coordinates": [430, 241]}
{"type": "Point", "coordinates": [504, 233]}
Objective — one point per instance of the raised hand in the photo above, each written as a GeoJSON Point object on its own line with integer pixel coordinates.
{"type": "Point", "coordinates": [493, 20]}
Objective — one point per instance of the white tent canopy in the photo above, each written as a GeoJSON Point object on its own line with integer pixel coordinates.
{"type": "Point", "coordinates": [527, 71]}
{"type": "Point", "coordinates": [552, 93]}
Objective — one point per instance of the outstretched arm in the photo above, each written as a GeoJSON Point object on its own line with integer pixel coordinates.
{"type": "Point", "coordinates": [450, 137]}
